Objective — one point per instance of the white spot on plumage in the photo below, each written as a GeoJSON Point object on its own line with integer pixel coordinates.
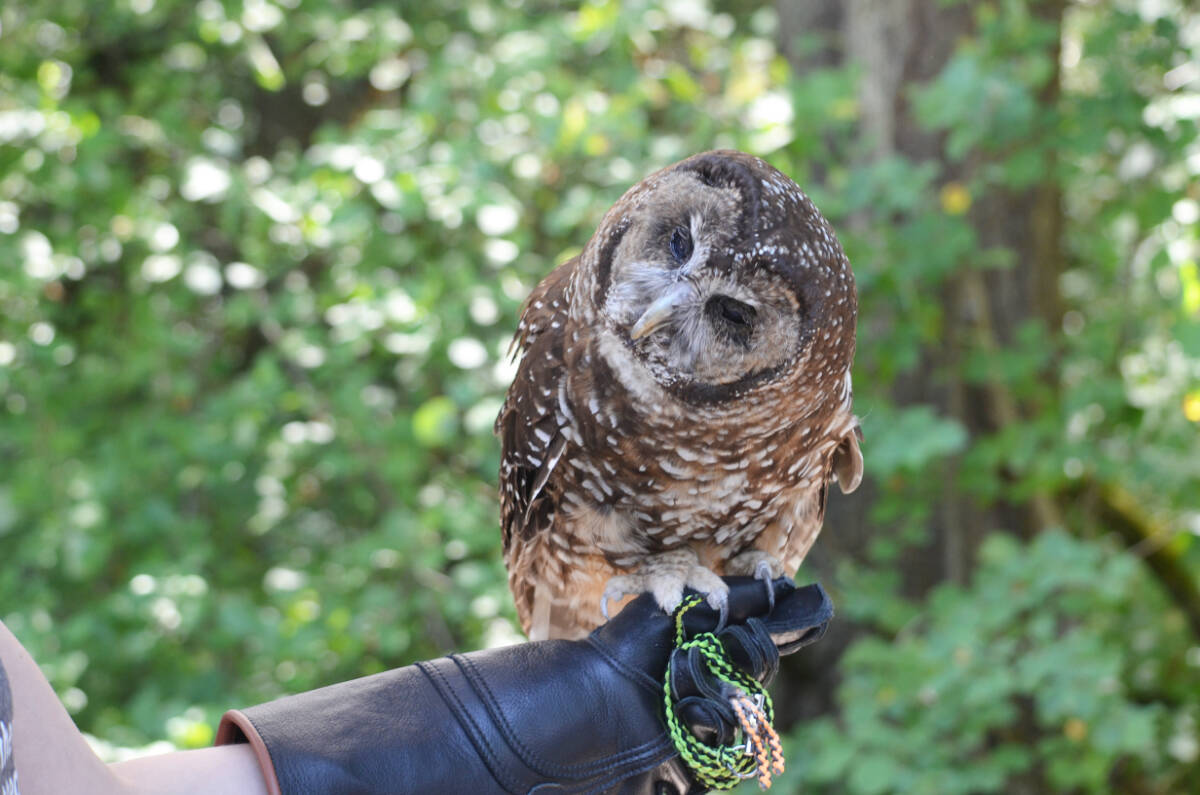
{"type": "Point", "coordinates": [673, 469]}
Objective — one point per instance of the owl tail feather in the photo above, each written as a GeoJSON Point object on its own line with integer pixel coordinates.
{"type": "Point", "coordinates": [539, 622]}
{"type": "Point", "coordinates": [553, 619]}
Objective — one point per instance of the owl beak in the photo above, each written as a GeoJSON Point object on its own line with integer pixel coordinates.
{"type": "Point", "coordinates": [661, 310]}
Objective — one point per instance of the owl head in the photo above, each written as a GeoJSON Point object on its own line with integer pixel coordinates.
{"type": "Point", "coordinates": [721, 281]}
{"type": "Point", "coordinates": [720, 276]}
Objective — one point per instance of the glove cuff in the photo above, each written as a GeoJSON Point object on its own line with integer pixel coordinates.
{"type": "Point", "coordinates": [236, 728]}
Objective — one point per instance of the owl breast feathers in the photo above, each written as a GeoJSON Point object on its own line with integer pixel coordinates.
{"type": "Point", "coordinates": [683, 399]}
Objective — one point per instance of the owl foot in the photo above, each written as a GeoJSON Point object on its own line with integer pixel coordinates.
{"type": "Point", "coordinates": [759, 565]}
{"type": "Point", "coordinates": [666, 575]}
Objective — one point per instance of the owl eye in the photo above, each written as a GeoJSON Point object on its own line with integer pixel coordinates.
{"type": "Point", "coordinates": [681, 244]}
{"type": "Point", "coordinates": [732, 317]}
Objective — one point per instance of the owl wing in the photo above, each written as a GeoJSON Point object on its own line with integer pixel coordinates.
{"type": "Point", "coordinates": [531, 426]}
{"type": "Point", "coordinates": [845, 467]}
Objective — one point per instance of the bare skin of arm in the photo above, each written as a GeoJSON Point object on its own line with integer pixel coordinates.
{"type": "Point", "coordinates": [52, 757]}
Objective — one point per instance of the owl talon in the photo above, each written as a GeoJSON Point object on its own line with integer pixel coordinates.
{"type": "Point", "coordinates": [617, 589]}
{"type": "Point", "coordinates": [763, 573]}
{"type": "Point", "coordinates": [760, 565]}
{"type": "Point", "coordinates": [719, 601]}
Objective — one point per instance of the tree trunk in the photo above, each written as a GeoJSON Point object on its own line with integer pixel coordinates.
{"type": "Point", "coordinates": [897, 44]}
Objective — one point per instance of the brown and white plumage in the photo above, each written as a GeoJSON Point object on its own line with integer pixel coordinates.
{"type": "Point", "coordinates": [683, 398]}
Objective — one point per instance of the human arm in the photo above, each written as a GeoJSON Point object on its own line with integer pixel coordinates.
{"type": "Point", "coordinates": [52, 756]}
{"type": "Point", "coordinates": [584, 713]}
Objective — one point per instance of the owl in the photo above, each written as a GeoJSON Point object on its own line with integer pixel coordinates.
{"type": "Point", "coordinates": [683, 398]}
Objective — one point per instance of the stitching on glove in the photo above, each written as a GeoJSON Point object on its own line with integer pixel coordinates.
{"type": "Point", "coordinates": [473, 732]}
{"type": "Point", "coordinates": [638, 677]}
{"type": "Point", "coordinates": [530, 757]}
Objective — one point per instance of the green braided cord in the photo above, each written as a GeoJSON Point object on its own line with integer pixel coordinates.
{"type": "Point", "coordinates": [722, 767]}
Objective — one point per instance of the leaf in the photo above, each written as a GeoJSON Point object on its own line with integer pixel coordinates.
{"type": "Point", "coordinates": [435, 422]}
{"type": "Point", "coordinates": [909, 439]}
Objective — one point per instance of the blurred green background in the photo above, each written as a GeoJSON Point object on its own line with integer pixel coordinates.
{"type": "Point", "coordinates": [260, 261]}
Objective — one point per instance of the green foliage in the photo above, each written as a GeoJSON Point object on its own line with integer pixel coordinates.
{"type": "Point", "coordinates": [263, 259]}
{"type": "Point", "coordinates": [1051, 661]}
{"type": "Point", "coordinates": [266, 260]}
{"type": "Point", "coordinates": [911, 440]}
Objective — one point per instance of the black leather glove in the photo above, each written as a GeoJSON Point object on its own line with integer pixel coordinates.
{"type": "Point", "coordinates": [550, 716]}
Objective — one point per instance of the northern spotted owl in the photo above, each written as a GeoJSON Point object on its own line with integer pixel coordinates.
{"type": "Point", "coordinates": [683, 400]}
